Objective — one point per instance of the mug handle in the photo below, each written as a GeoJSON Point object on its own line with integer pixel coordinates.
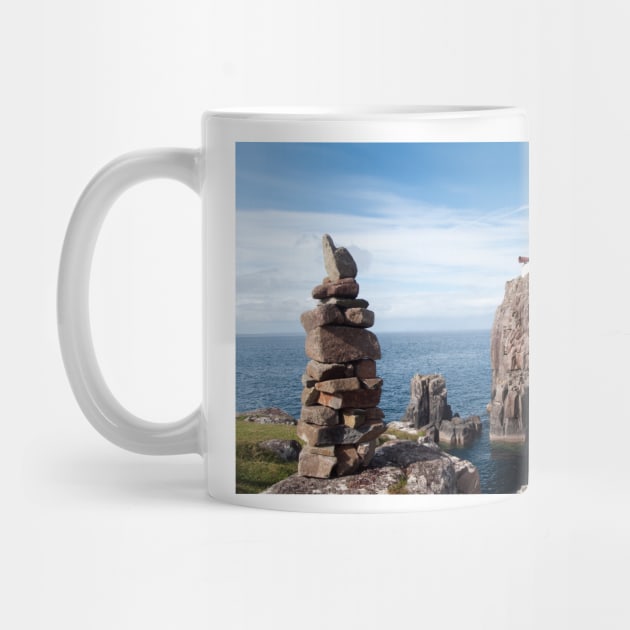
{"type": "Point", "coordinates": [96, 400]}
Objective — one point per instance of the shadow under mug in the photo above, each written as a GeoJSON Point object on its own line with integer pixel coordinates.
{"type": "Point", "coordinates": [373, 180]}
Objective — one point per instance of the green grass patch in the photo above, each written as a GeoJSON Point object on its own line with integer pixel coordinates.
{"type": "Point", "coordinates": [401, 435]}
{"type": "Point", "coordinates": [400, 487]}
{"type": "Point", "coordinates": [257, 469]}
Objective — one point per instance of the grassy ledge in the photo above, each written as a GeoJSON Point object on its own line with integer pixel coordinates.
{"type": "Point", "coordinates": [257, 469]}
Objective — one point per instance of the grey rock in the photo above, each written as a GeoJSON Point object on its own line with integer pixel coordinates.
{"type": "Point", "coordinates": [429, 469]}
{"type": "Point", "coordinates": [422, 470]}
{"type": "Point", "coordinates": [315, 435]}
{"type": "Point", "coordinates": [337, 260]}
{"type": "Point", "coordinates": [428, 404]}
{"type": "Point", "coordinates": [267, 415]}
{"type": "Point", "coordinates": [366, 452]}
{"type": "Point", "coordinates": [362, 399]}
{"type": "Point", "coordinates": [467, 476]}
{"type": "Point", "coordinates": [368, 481]}
{"type": "Point", "coordinates": [436, 476]}
{"type": "Point", "coordinates": [286, 450]}
{"type": "Point", "coordinates": [324, 371]}
{"type": "Point", "coordinates": [361, 317]}
{"type": "Point", "coordinates": [318, 414]}
{"type": "Point", "coordinates": [344, 288]}
{"type": "Point", "coordinates": [314, 465]}
{"type": "Point", "coordinates": [348, 459]}
{"type": "Point", "coordinates": [335, 385]}
{"type": "Point", "coordinates": [321, 315]}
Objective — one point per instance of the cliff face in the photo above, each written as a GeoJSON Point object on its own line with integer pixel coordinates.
{"type": "Point", "coordinates": [509, 349]}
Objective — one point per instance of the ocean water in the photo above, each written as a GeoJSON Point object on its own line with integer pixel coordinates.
{"type": "Point", "coordinates": [269, 368]}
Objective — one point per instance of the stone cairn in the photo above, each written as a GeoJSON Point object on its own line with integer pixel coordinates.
{"type": "Point", "coordinates": [340, 420]}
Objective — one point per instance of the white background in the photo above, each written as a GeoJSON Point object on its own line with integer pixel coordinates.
{"type": "Point", "coordinates": [94, 537]}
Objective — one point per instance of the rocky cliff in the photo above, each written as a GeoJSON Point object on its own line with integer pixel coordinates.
{"type": "Point", "coordinates": [509, 350]}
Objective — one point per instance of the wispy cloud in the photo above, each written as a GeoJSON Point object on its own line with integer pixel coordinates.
{"type": "Point", "coordinates": [418, 264]}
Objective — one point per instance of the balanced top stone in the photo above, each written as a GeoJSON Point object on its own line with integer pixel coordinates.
{"type": "Point", "coordinates": [337, 260]}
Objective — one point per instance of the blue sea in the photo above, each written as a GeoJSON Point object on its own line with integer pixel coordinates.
{"type": "Point", "coordinates": [269, 368]}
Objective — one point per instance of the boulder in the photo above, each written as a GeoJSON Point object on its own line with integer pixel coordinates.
{"type": "Point", "coordinates": [337, 260]}
{"type": "Point", "coordinates": [323, 371]}
{"type": "Point", "coordinates": [361, 317]}
{"type": "Point", "coordinates": [348, 460]}
{"type": "Point", "coordinates": [321, 315]}
{"type": "Point", "coordinates": [368, 481]}
{"type": "Point", "coordinates": [315, 465]}
{"type": "Point", "coordinates": [267, 415]}
{"type": "Point", "coordinates": [339, 385]}
{"type": "Point", "coordinates": [318, 414]}
{"type": "Point", "coordinates": [339, 344]}
{"type": "Point", "coordinates": [362, 398]}
{"type": "Point", "coordinates": [459, 431]}
{"type": "Point", "coordinates": [286, 450]}
{"type": "Point", "coordinates": [466, 476]}
{"type": "Point", "coordinates": [315, 435]}
{"type": "Point", "coordinates": [344, 288]}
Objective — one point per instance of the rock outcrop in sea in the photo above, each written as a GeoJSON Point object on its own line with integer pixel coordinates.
{"type": "Point", "coordinates": [428, 405]}
{"type": "Point", "coordinates": [429, 410]}
{"type": "Point", "coordinates": [509, 355]}
{"type": "Point", "coordinates": [340, 419]}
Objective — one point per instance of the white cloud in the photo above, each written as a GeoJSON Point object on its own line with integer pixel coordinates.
{"type": "Point", "coordinates": [416, 263]}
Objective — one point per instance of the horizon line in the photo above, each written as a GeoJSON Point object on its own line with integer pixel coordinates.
{"type": "Point", "coordinates": [386, 332]}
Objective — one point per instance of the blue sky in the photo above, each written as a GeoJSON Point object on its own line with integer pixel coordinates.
{"type": "Point", "coordinates": [435, 228]}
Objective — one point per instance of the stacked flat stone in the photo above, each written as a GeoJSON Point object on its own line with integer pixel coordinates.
{"type": "Point", "coordinates": [340, 419]}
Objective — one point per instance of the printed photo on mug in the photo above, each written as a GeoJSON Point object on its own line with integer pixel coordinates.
{"type": "Point", "coordinates": [365, 285]}
{"type": "Point", "coordinates": [382, 317]}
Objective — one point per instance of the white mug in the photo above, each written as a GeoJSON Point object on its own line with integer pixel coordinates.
{"type": "Point", "coordinates": [390, 187]}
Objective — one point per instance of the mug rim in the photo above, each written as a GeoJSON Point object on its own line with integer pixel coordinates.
{"type": "Point", "coordinates": [362, 112]}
